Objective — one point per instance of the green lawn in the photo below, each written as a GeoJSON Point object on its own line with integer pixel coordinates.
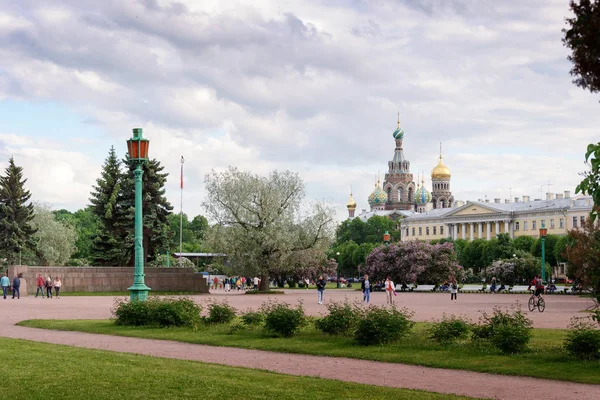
{"type": "Point", "coordinates": [546, 359]}
{"type": "Point", "coordinates": [33, 370]}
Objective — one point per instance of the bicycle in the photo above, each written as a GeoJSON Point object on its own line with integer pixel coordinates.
{"type": "Point", "coordinates": [540, 303]}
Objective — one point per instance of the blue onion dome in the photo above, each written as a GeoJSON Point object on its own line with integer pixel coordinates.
{"type": "Point", "coordinates": [422, 195]}
{"type": "Point", "coordinates": [378, 196]}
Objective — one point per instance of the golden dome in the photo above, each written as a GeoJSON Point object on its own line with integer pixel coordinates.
{"type": "Point", "coordinates": [440, 170]}
{"type": "Point", "coordinates": [351, 205]}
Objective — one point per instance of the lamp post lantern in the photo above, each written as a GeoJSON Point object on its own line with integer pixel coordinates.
{"type": "Point", "coordinates": [386, 238]}
{"type": "Point", "coordinates": [338, 268]}
{"type": "Point", "coordinates": [543, 232]}
{"type": "Point", "coordinates": [137, 147]}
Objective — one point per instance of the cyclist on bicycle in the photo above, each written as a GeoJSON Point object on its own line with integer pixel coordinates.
{"type": "Point", "coordinates": [539, 286]}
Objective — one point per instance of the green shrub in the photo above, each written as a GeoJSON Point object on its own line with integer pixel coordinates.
{"type": "Point", "coordinates": [251, 318]}
{"type": "Point", "coordinates": [220, 313]}
{"type": "Point", "coordinates": [341, 320]}
{"type": "Point", "coordinates": [511, 339]}
{"type": "Point", "coordinates": [449, 330]}
{"type": "Point", "coordinates": [235, 328]}
{"type": "Point", "coordinates": [380, 325]}
{"type": "Point", "coordinates": [157, 312]}
{"type": "Point", "coordinates": [583, 340]}
{"type": "Point", "coordinates": [292, 283]}
{"type": "Point", "coordinates": [282, 320]}
{"type": "Point", "coordinates": [509, 332]}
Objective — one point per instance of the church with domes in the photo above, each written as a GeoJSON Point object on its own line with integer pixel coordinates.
{"type": "Point", "coordinates": [400, 192]}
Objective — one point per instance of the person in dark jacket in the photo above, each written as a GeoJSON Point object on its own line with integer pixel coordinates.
{"type": "Point", "coordinates": [321, 288]}
{"type": "Point", "coordinates": [16, 284]}
{"type": "Point", "coordinates": [366, 289]}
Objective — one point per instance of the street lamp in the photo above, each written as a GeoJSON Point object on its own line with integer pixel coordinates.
{"type": "Point", "coordinates": [137, 147]}
{"type": "Point", "coordinates": [338, 269]}
{"type": "Point", "coordinates": [386, 238]}
{"type": "Point", "coordinates": [543, 232]}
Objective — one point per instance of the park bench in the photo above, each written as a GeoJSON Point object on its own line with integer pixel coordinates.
{"type": "Point", "coordinates": [409, 288]}
{"type": "Point", "coordinates": [470, 288]}
{"type": "Point", "coordinates": [519, 289]}
{"type": "Point", "coordinates": [424, 288]}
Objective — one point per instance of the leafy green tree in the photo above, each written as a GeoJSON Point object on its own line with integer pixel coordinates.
{"type": "Point", "coordinates": [376, 226]}
{"type": "Point", "coordinates": [550, 244]}
{"type": "Point", "coordinates": [591, 182]}
{"type": "Point", "coordinates": [524, 243]}
{"type": "Point", "coordinates": [108, 246]}
{"type": "Point", "coordinates": [361, 253]}
{"type": "Point", "coordinates": [498, 248]}
{"type": "Point", "coordinates": [156, 209]}
{"type": "Point", "coordinates": [16, 229]}
{"type": "Point", "coordinates": [582, 38]}
{"type": "Point", "coordinates": [259, 221]}
{"type": "Point", "coordinates": [55, 240]}
{"type": "Point", "coordinates": [472, 255]}
{"type": "Point", "coordinates": [560, 249]}
{"type": "Point", "coordinates": [583, 255]}
{"type": "Point", "coordinates": [87, 226]}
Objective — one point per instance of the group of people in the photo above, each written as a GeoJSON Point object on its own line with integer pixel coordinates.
{"type": "Point", "coordinates": [43, 286]}
{"type": "Point", "coordinates": [235, 282]}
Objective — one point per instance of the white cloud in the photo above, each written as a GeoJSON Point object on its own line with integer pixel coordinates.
{"type": "Point", "coordinates": [310, 86]}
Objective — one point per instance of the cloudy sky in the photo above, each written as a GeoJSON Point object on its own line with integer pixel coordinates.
{"type": "Point", "coordinates": [312, 86]}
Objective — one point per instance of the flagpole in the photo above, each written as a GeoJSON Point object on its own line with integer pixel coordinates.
{"type": "Point", "coordinates": [181, 215]}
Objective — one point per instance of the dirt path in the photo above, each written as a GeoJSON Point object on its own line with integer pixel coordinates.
{"type": "Point", "coordinates": [368, 372]}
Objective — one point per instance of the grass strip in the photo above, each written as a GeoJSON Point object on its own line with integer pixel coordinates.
{"type": "Point", "coordinates": [545, 359]}
{"type": "Point", "coordinates": [43, 371]}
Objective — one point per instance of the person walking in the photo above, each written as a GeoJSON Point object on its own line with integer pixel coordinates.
{"type": "Point", "coordinates": [40, 286]}
{"type": "Point", "coordinates": [48, 287]}
{"type": "Point", "coordinates": [227, 284]}
{"type": "Point", "coordinates": [453, 289]}
{"type": "Point", "coordinates": [255, 282]}
{"type": "Point", "coordinates": [389, 290]}
{"type": "Point", "coordinates": [5, 283]}
{"type": "Point", "coordinates": [216, 282]}
{"type": "Point", "coordinates": [57, 284]}
{"type": "Point", "coordinates": [366, 289]}
{"type": "Point", "coordinates": [16, 286]}
{"type": "Point", "coordinates": [321, 288]}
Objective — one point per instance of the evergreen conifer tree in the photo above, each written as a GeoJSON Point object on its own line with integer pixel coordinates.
{"type": "Point", "coordinates": [16, 231]}
{"type": "Point", "coordinates": [106, 201]}
{"type": "Point", "coordinates": [155, 206]}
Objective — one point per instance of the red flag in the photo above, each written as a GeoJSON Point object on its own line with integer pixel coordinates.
{"type": "Point", "coordinates": [182, 161]}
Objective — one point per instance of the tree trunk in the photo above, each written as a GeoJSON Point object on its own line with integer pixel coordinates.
{"type": "Point", "coordinates": [264, 282]}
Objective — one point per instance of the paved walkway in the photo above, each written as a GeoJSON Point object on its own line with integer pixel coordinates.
{"type": "Point", "coordinates": [369, 372]}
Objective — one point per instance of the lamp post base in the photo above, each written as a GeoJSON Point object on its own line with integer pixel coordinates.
{"type": "Point", "coordinates": [138, 292]}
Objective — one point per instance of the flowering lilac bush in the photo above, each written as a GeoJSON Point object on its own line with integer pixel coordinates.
{"type": "Point", "coordinates": [414, 261]}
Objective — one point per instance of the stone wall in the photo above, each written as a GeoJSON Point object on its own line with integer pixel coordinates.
{"type": "Point", "coordinates": [112, 279]}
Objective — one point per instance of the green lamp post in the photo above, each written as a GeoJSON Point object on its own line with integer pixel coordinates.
{"type": "Point", "coordinates": [137, 147]}
{"type": "Point", "coordinates": [543, 232]}
{"type": "Point", "coordinates": [338, 269]}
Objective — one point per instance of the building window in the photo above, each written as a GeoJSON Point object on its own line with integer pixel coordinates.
{"type": "Point", "coordinates": [582, 221]}
{"type": "Point", "coordinates": [534, 225]}
{"type": "Point", "coordinates": [427, 231]}
{"type": "Point", "coordinates": [525, 227]}
{"type": "Point", "coordinates": [552, 224]}
{"type": "Point", "coordinates": [442, 229]}
{"type": "Point", "coordinates": [434, 230]}
{"type": "Point", "coordinates": [420, 231]}
{"type": "Point", "coordinates": [413, 232]}
{"type": "Point", "coordinates": [544, 223]}
{"type": "Point", "coordinates": [574, 222]}
{"type": "Point", "coordinates": [561, 223]}
{"type": "Point", "coordinates": [517, 226]}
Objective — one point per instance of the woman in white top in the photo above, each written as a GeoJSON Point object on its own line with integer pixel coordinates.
{"type": "Point", "coordinates": [389, 290]}
{"type": "Point", "coordinates": [57, 284]}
